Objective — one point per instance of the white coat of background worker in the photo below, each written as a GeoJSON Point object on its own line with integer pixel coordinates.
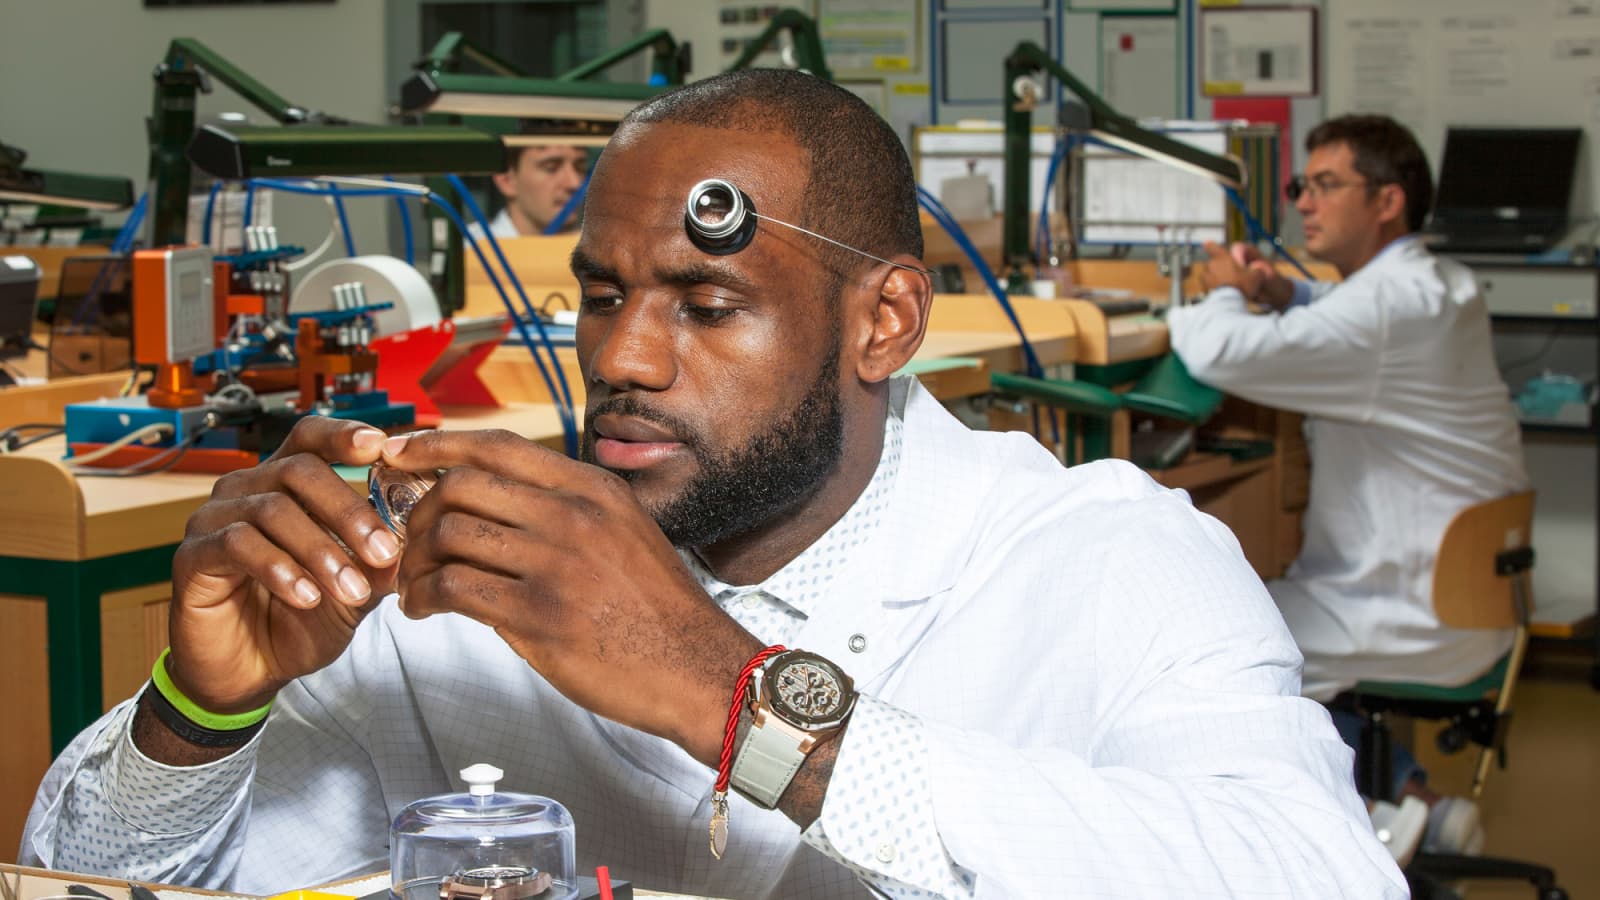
{"type": "Point", "coordinates": [1408, 419]}
{"type": "Point", "coordinates": [536, 186]}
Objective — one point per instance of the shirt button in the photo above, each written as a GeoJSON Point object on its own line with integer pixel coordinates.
{"type": "Point", "coordinates": [885, 852]}
{"type": "Point", "coordinates": [752, 599]}
{"type": "Point", "coordinates": [858, 643]}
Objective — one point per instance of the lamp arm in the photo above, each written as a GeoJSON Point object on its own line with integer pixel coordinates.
{"type": "Point", "coordinates": [807, 43]}
{"type": "Point", "coordinates": [180, 77]}
{"type": "Point", "coordinates": [447, 54]}
{"type": "Point", "coordinates": [666, 58]}
{"type": "Point", "coordinates": [187, 53]}
{"type": "Point", "coordinates": [1104, 123]}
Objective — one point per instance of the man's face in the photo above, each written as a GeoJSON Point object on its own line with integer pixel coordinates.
{"type": "Point", "coordinates": [1341, 209]}
{"type": "Point", "coordinates": [713, 381]}
{"type": "Point", "coordinates": [544, 179]}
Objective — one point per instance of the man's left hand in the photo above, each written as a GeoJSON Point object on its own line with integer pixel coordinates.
{"type": "Point", "coordinates": [561, 560]}
{"type": "Point", "coordinates": [1224, 269]}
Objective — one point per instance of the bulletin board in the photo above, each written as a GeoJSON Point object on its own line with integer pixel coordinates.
{"type": "Point", "coordinates": [1254, 51]}
{"type": "Point", "coordinates": [867, 38]}
{"type": "Point", "coordinates": [1432, 65]}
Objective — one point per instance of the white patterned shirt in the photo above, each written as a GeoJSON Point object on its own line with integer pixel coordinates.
{"type": "Point", "coordinates": [1071, 683]}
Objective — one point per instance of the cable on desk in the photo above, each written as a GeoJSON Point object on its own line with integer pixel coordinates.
{"type": "Point", "coordinates": [157, 429]}
{"type": "Point", "coordinates": [161, 462]}
{"type": "Point", "coordinates": [11, 439]}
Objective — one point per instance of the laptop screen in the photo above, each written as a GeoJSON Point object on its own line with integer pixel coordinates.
{"type": "Point", "coordinates": [1506, 174]}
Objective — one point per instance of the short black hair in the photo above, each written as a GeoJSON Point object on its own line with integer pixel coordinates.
{"type": "Point", "coordinates": [860, 189]}
{"type": "Point", "coordinates": [1386, 152]}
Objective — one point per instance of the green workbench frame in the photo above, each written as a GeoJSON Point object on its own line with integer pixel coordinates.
{"type": "Point", "coordinates": [72, 590]}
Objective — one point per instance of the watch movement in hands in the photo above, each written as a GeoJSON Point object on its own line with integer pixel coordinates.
{"type": "Point", "coordinates": [395, 492]}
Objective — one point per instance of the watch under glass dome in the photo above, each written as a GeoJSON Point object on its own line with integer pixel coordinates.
{"type": "Point", "coordinates": [483, 845]}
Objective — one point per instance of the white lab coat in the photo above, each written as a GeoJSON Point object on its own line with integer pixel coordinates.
{"type": "Point", "coordinates": [1093, 696]}
{"type": "Point", "coordinates": [1408, 423]}
{"type": "Point", "coordinates": [500, 226]}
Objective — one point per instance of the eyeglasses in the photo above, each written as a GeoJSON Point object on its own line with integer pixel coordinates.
{"type": "Point", "coordinates": [1318, 187]}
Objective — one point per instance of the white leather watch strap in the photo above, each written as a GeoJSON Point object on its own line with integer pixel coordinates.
{"type": "Point", "coordinates": [765, 764]}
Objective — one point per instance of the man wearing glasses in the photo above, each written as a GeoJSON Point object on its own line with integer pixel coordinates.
{"type": "Point", "coordinates": [1408, 421]}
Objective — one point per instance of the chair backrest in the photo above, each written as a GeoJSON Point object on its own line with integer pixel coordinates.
{"type": "Point", "coordinates": [1467, 591]}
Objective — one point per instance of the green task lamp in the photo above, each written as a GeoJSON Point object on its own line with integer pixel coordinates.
{"type": "Point", "coordinates": [1093, 116]}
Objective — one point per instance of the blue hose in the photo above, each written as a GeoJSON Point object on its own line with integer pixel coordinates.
{"type": "Point", "coordinates": [567, 208]}
{"type": "Point", "coordinates": [1031, 359]}
{"type": "Point", "coordinates": [129, 231]}
{"type": "Point", "coordinates": [211, 206]}
{"type": "Point", "coordinates": [563, 397]}
{"type": "Point", "coordinates": [948, 222]}
{"type": "Point", "coordinates": [405, 226]}
{"type": "Point", "coordinates": [344, 221]}
{"type": "Point", "coordinates": [1257, 233]}
{"type": "Point", "coordinates": [1062, 147]}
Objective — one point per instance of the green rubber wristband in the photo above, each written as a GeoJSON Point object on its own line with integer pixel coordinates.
{"type": "Point", "coordinates": [211, 720]}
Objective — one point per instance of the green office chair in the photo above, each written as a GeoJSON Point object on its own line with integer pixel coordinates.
{"type": "Point", "coordinates": [1481, 579]}
{"type": "Point", "coordinates": [1168, 390]}
{"type": "Point", "coordinates": [1087, 406]}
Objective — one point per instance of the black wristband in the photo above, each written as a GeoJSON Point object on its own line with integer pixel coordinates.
{"type": "Point", "coordinates": [188, 730]}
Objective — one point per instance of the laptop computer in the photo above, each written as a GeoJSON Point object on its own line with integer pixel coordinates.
{"type": "Point", "coordinates": [1503, 190]}
{"type": "Point", "coordinates": [92, 330]}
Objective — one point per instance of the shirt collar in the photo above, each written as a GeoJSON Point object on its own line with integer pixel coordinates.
{"type": "Point", "coordinates": [1396, 246]}
{"type": "Point", "coordinates": [803, 582]}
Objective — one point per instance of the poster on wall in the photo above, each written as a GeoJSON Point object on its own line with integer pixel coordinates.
{"type": "Point", "coordinates": [740, 24]}
{"type": "Point", "coordinates": [1254, 51]}
{"type": "Point", "coordinates": [863, 38]}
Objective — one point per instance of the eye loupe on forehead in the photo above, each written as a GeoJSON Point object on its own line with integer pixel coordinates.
{"type": "Point", "coordinates": [721, 220]}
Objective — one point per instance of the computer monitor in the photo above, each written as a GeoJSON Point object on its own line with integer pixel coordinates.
{"type": "Point", "coordinates": [19, 297]}
{"type": "Point", "coordinates": [1507, 174]}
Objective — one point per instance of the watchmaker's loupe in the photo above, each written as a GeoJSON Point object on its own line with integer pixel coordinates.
{"type": "Point", "coordinates": [721, 220]}
{"type": "Point", "coordinates": [719, 217]}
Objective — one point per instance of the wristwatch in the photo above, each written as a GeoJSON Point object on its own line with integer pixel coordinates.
{"type": "Point", "coordinates": [495, 883]}
{"type": "Point", "coordinates": [797, 700]}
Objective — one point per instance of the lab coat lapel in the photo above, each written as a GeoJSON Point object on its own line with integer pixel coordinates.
{"type": "Point", "coordinates": [881, 603]}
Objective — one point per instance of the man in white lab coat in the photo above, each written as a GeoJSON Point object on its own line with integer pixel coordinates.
{"type": "Point", "coordinates": [1408, 420]}
{"type": "Point", "coordinates": [536, 185]}
{"type": "Point", "coordinates": [1017, 679]}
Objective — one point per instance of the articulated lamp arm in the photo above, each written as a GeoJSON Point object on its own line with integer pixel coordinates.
{"type": "Point", "coordinates": [184, 73]}
{"type": "Point", "coordinates": [1105, 123]}
{"type": "Point", "coordinates": [669, 60]}
{"type": "Point", "coordinates": [448, 53]}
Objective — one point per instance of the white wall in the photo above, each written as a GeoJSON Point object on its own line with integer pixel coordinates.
{"type": "Point", "coordinates": [77, 84]}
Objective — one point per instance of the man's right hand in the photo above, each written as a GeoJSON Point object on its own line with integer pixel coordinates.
{"type": "Point", "coordinates": [1275, 290]}
{"type": "Point", "coordinates": [262, 593]}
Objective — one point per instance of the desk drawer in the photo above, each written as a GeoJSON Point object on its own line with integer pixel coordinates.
{"type": "Point", "coordinates": [1556, 293]}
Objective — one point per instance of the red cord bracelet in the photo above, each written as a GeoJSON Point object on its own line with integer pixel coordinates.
{"type": "Point", "coordinates": [719, 790]}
